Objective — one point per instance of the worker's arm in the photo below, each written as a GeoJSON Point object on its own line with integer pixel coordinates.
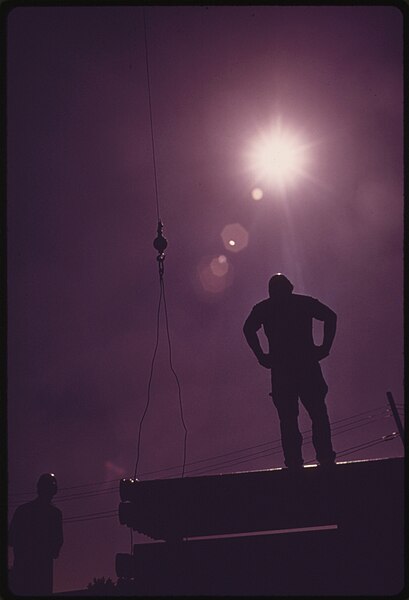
{"type": "Point", "coordinates": [324, 313]}
{"type": "Point", "coordinates": [250, 328]}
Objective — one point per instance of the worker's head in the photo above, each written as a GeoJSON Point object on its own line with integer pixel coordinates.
{"type": "Point", "coordinates": [279, 286]}
{"type": "Point", "coordinates": [47, 486]}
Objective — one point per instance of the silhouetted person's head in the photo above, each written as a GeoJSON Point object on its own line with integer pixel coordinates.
{"type": "Point", "coordinates": [47, 486]}
{"type": "Point", "coordinates": [279, 287]}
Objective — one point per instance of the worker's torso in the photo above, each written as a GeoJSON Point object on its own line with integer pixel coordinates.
{"type": "Point", "coordinates": [288, 327]}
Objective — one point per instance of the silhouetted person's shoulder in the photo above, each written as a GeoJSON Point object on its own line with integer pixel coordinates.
{"type": "Point", "coordinates": [33, 523]}
{"type": "Point", "coordinates": [34, 507]}
{"type": "Point", "coordinates": [308, 303]}
{"type": "Point", "coordinates": [262, 306]}
{"type": "Point", "coordinates": [297, 301]}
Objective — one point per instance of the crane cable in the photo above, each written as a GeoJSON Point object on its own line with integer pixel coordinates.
{"type": "Point", "coordinates": [160, 244]}
{"type": "Point", "coordinates": [150, 114]}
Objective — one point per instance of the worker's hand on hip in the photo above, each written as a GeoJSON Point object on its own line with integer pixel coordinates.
{"type": "Point", "coordinates": [321, 352]}
{"type": "Point", "coordinates": [265, 361]}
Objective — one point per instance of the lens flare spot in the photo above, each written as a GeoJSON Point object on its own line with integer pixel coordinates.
{"type": "Point", "coordinates": [257, 193]}
{"type": "Point", "coordinates": [235, 237]}
{"type": "Point", "coordinates": [113, 469]}
{"type": "Point", "coordinates": [214, 274]}
{"type": "Point", "coordinates": [219, 267]}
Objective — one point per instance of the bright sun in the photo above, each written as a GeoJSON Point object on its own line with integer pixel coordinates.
{"type": "Point", "coordinates": [278, 157]}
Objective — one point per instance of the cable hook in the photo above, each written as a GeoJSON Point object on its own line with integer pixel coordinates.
{"type": "Point", "coordinates": [160, 244]}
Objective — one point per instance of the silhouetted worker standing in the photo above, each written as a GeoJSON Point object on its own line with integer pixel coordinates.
{"type": "Point", "coordinates": [294, 362]}
{"type": "Point", "coordinates": [36, 536]}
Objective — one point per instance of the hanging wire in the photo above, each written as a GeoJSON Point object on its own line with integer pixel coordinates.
{"type": "Point", "coordinates": [160, 244]}
{"type": "Point", "coordinates": [150, 380]}
{"type": "Point", "coordinates": [162, 296]}
{"type": "Point", "coordinates": [176, 377]}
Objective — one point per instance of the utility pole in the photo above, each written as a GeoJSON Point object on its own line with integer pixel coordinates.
{"type": "Point", "coordinates": [396, 416]}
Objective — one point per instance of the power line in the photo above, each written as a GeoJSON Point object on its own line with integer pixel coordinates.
{"type": "Point", "coordinates": [364, 446]}
{"type": "Point", "coordinates": [334, 426]}
{"type": "Point", "coordinates": [347, 451]}
{"type": "Point", "coordinates": [93, 514]}
{"type": "Point", "coordinates": [235, 462]}
{"type": "Point", "coordinates": [273, 449]}
{"type": "Point", "coordinates": [71, 487]}
{"type": "Point", "coordinates": [79, 496]}
{"type": "Point", "coordinates": [338, 427]}
{"type": "Point", "coordinates": [276, 449]}
{"type": "Point", "coordinates": [97, 518]}
{"type": "Point", "coordinates": [262, 444]}
{"type": "Point", "coordinates": [373, 411]}
{"type": "Point", "coordinates": [88, 495]}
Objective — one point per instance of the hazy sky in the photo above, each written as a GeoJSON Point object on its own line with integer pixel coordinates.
{"type": "Point", "coordinates": [83, 284]}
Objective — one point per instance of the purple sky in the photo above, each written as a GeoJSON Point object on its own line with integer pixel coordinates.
{"type": "Point", "coordinates": [82, 272]}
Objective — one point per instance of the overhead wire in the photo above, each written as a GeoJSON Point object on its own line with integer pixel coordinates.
{"type": "Point", "coordinates": [276, 446]}
{"type": "Point", "coordinates": [345, 452]}
{"type": "Point", "coordinates": [71, 487]}
{"type": "Point", "coordinates": [365, 445]}
{"type": "Point", "coordinates": [353, 417]}
{"type": "Point", "coordinates": [176, 467]}
{"type": "Point", "coordinates": [264, 454]}
{"type": "Point", "coordinates": [97, 517]}
{"type": "Point", "coordinates": [78, 496]}
{"type": "Point", "coordinates": [341, 427]}
{"type": "Point", "coordinates": [93, 514]}
{"type": "Point", "coordinates": [353, 420]}
{"type": "Point", "coordinates": [261, 454]}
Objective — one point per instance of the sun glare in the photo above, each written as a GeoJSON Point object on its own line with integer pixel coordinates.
{"type": "Point", "coordinates": [278, 157]}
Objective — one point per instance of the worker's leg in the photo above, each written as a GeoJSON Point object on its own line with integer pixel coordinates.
{"type": "Point", "coordinates": [285, 398]}
{"type": "Point", "coordinates": [313, 390]}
